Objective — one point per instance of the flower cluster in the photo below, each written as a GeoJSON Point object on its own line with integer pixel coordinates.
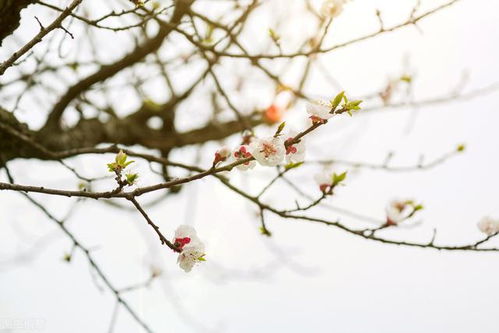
{"type": "Point", "coordinates": [271, 151]}
{"type": "Point", "coordinates": [190, 247]}
{"type": "Point", "coordinates": [288, 148]}
{"type": "Point", "coordinates": [488, 226]}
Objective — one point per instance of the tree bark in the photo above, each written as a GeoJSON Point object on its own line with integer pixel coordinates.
{"type": "Point", "coordinates": [10, 16]}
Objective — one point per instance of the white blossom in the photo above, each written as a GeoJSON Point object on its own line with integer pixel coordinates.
{"type": "Point", "coordinates": [488, 225]}
{"type": "Point", "coordinates": [398, 211]}
{"type": "Point", "coordinates": [190, 246]}
{"type": "Point", "coordinates": [319, 110]}
{"type": "Point", "coordinates": [324, 179]}
{"type": "Point", "coordinates": [184, 230]}
{"type": "Point", "coordinates": [241, 153]}
{"type": "Point", "coordinates": [221, 155]}
{"type": "Point", "coordinates": [192, 254]}
{"type": "Point", "coordinates": [332, 8]}
{"type": "Point", "coordinates": [295, 153]}
{"type": "Point", "coordinates": [224, 152]}
{"type": "Point", "coordinates": [269, 151]}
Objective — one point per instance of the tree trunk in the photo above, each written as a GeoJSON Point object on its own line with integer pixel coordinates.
{"type": "Point", "coordinates": [10, 16]}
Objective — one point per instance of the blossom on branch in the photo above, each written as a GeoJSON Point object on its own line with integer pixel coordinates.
{"type": "Point", "coordinates": [328, 180]}
{"type": "Point", "coordinates": [399, 211]}
{"type": "Point", "coordinates": [488, 225]}
{"type": "Point", "coordinates": [332, 8]}
{"type": "Point", "coordinates": [190, 246]}
{"type": "Point", "coordinates": [241, 153]}
{"type": "Point", "coordinates": [184, 235]}
{"type": "Point", "coordinates": [295, 152]}
{"type": "Point", "coordinates": [319, 111]}
{"type": "Point", "coordinates": [324, 180]}
{"type": "Point", "coordinates": [192, 254]}
{"type": "Point", "coordinates": [268, 151]}
{"type": "Point", "coordinates": [221, 155]}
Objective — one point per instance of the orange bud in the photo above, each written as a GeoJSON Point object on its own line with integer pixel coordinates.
{"type": "Point", "coordinates": [273, 114]}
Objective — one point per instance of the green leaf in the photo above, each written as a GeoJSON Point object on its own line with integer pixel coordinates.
{"type": "Point", "coordinates": [292, 165]}
{"type": "Point", "coordinates": [208, 38]}
{"type": "Point", "coordinates": [336, 101]}
{"type": "Point", "coordinates": [345, 99]}
{"type": "Point", "coordinates": [156, 5]}
{"type": "Point", "coordinates": [418, 207]}
{"type": "Point", "coordinates": [151, 105]}
{"type": "Point", "coordinates": [74, 66]}
{"type": "Point", "coordinates": [112, 166]}
{"type": "Point", "coordinates": [265, 231]}
{"type": "Point", "coordinates": [275, 37]}
{"type": "Point", "coordinates": [279, 129]}
{"type": "Point", "coordinates": [353, 105]}
{"type": "Point", "coordinates": [131, 178]}
{"type": "Point", "coordinates": [138, 3]}
{"type": "Point", "coordinates": [120, 162]}
{"type": "Point", "coordinates": [83, 186]}
{"type": "Point", "coordinates": [406, 78]}
{"type": "Point", "coordinates": [338, 178]}
{"type": "Point", "coordinates": [121, 158]}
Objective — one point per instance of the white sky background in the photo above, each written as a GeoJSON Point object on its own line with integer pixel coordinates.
{"type": "Point", "coordinates": [306, 278]}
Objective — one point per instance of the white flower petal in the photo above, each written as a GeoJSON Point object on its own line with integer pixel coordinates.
{"type": "Point", "coordinates": [269, 151]}
{"type": "Point", "coordinates": [398, 211]}
{"type": "Point", "coordinates": [190, 255]}
{"type": "Point", "coordinates": [185, 231]}
{"type": "Point", "coordinates": [332, 8]}
{"type": "Point", "coordinates": [324, 178]}
{"type": "Point", "coordinates": [224, 152]}
{"type": "Point", "coordinates": [320, 109]}
{"type": "Point", "coordinates": [488, 225]}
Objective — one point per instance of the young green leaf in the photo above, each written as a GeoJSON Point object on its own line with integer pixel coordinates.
{"type": "Point", "coordinates": [418, 207]}
{"type": "Point", "coordinates": [265, 231]}
{"type": "Point", "coordinates": [338, 178]}
{"type": "Point", "coordinates": [131, 178]}
{"type": "Point", "coordinates": [406, 78]}
{"type": "Point", "coordinates": [279, 129]}
{"type": "Point", "coordinates": [336, 101]}
{"type": "Point", "coordinates": [292, 165]}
